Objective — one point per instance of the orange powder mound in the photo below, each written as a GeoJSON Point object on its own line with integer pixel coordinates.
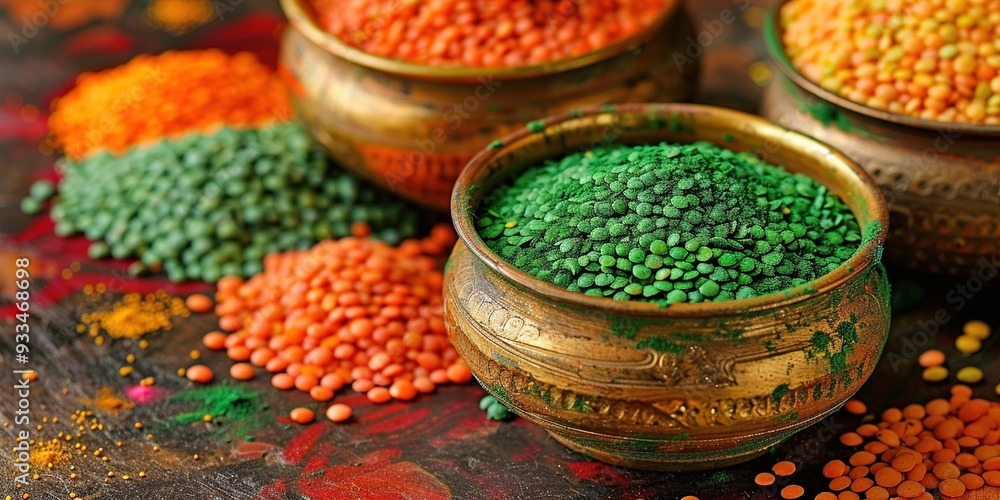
{"type": "Point", "coordinates": [173, 93]}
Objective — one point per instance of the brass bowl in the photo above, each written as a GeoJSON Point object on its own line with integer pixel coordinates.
{"type": "Point", "coordinates": [691, 386]}
{"type": "Point", "coordinates": [411, 128]}
{"type": "Point", "coordinates": [941, 180]}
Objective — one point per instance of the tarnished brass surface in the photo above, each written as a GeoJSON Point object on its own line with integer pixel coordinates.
{"type": "Point", "coordinates": [691, 386]}
{"type": "Point", "coordinates": [942, 180]}
{"type": "Point", "coordinates": [412, 128]}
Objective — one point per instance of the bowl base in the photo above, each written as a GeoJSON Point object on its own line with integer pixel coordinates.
{"type": "Point", "coordinates": [670, 462]}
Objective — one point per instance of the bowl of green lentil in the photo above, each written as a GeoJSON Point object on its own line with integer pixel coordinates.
{"type": "Point", "coordinates": [919, 110]}
{"type": "Point", "coordinates": [685, 303]}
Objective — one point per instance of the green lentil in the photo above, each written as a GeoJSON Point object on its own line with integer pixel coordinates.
{"type": "Point", "coordinates": [204, 206]}
{"type": "Point", "coordinates": [669, 223]}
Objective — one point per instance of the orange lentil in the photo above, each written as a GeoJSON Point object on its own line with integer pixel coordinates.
{"type": "Point", "coordinates": [892, 415]}
{"type": "Point", "coordinates": [909, 489]}
{"type": "Point", "coordinates": [952, 487]}
{"type": "Point", "coordinates": [302, 415]}
{"type": "Point", "coordinates": [877, 493]}
{"type": "Point", "coordinates": [498, 33]}
{"type": "Point", "coordinates": [338, 412]}
{"type": "Point", "coordinates": [825, 495]}
{"type": "Point", "coordinates": [199, 373]}
{"type": "Point", "coordinates": [851, 439]}
{"type": "Point", "coordinates": [320, 393]}
{"type": "Point", "coordinates": [764, 479]}
{"type": "Point", "coordinates": [242, 371]}
{"type": "Point", "coordinates": [992, 477]}
{"type": "Point", "coordinates": [198, 303]}
{"type": "Point", "coordinates": [859, 471]}
{"type": "Point", "coordinates": [861, 484]}
{"type": "Point", "coordinates": [783, 468]}
{"type": "Point", "coordinates": [689, 497]}
{"type": "Point", "coordinates": [423, 384]}
{"type": "Point", "coordinates": [283, 381]}
{"type": "Point", "coordinates": [932, 357]}
{"type": "Point", "coordinates": [847, 495]}
{"type": "Point", "coordinates": [888, 477]}
{"type": "Point", "coordinates": [972, 481]}
{"type": "Point", "coordinates": [867, 430]}
{"type": "Point", "coordinates": [792, 491]}
{"type": "Point", "coordinates": [840, 483]}
{"type": "Point", "coordinates": [379, 395]}
{"type": "Point", "coordinates": [888, 438]}
{"type": "Point", "coordinates": [168, 94]}
{"type": "Point", "coordinates": [862, 458]}
{"type": "Point", "coordinates": [834, 469]}
{"type": "Point", "coordinates": [856, 407]}
{"type": "Point", "coordinates": [215, 341]}
{"type": "Point", "coordinates": [945, 471]}
{"type": "Point", "coordinates": [905, 462]}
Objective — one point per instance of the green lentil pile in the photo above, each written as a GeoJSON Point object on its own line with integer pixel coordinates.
{"type": "Point", "coordinates": [668, 223]}
{"type": "Point", "coordinates": [207, 206]}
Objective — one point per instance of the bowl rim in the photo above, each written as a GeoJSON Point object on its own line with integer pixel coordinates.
{"type": "Point", "coordinates": [776, 49]}
{"type": "Point", "coordinates": [301, 19]}
{"type": "Point", "coordinates": [867, 254]}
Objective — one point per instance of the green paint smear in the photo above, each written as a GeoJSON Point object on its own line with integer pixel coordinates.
{"type": "Point", "coordinates": [581, 405]}
{"type": "Point", "coordinates": [720, 477]}
{"type": "Point", "coordinates": [770, 346]}
{"type": "Point", "coordinates": [501, 393]}
{"type": "Point", "coordinates": [683, 436]}
{"type": "Point", "coordinates": [659, 344]}
{"type": "Point", "coordinates": [818, 392]}
{"type": "Point", "coordinates": [788, 417]}
{"type": "Point", "coordinates": [625, 327]}
{"type": "Point", "coordinates": [778, 393]}
{"type": "Point", "coordinates": [236, 410]}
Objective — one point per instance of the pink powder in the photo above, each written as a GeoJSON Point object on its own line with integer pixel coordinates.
{"type": "Point", "coordinates": [143, 394]}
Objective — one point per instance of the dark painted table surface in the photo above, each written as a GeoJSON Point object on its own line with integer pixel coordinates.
{"type": "Point", "coordinates": [436, 446]}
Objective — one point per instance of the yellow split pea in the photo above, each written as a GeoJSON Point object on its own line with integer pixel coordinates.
{"type": "Point", "coordinates": [935, 373]}
{"type": "Point", "coordinates": [969, 375]}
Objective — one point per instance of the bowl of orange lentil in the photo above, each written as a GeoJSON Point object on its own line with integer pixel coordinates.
{"type": "Point", "coordinates": [912, 93]}
{"type": "Point", "coordinates": [406, 93]}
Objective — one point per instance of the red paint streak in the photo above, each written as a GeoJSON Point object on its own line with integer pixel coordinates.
{"type": "Point", "coordinates": [401, 422]}
{"type": "Point", "coordinates": [249, 451]}
{"type": "Point", "coordinates": [273, 491]}
{"type": "Point", "coordinates": [375, 476]}
{"type": "Point", "coordinates": [597, 472]}
{"type": "Point", "coordinates": [255, 32]}
{"type": "Point", "coordinates": [102, 40]}
{"type": "Point", "coordinates": [528, 452]}
{"type": "Point", "coordinates": [473, 425]}
{"type": "Point", "coordinates": [300, 445]}
{"type": "Point", "coordinates": [14, 127]}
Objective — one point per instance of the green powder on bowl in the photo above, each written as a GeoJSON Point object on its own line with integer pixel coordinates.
{"type": "Point", "coordinates": [668, 223]}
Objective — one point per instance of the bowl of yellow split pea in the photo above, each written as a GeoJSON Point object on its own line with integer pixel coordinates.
{"type": "Point", "coordinates": [910, 91]}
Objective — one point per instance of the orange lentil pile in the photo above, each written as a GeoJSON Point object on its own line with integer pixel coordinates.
{"type": "Point", "coordinates": [931, 59]}
{"type": "Point", "coordinates": [351, 313]}
{"type": "Point", "coordinates": [947, 446]}
{"type": "Point", "coordinates": [155, 96]}
{"type": "Point", "coordinates": [483, 33]}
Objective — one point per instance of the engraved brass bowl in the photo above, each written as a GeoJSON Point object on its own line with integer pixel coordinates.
{"type": "Point", "coordinates": [691, 386]}
{"type": "Point", "coordinates": [942, 180]}
{"type": "Point", "coordinates": [412, 128]}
